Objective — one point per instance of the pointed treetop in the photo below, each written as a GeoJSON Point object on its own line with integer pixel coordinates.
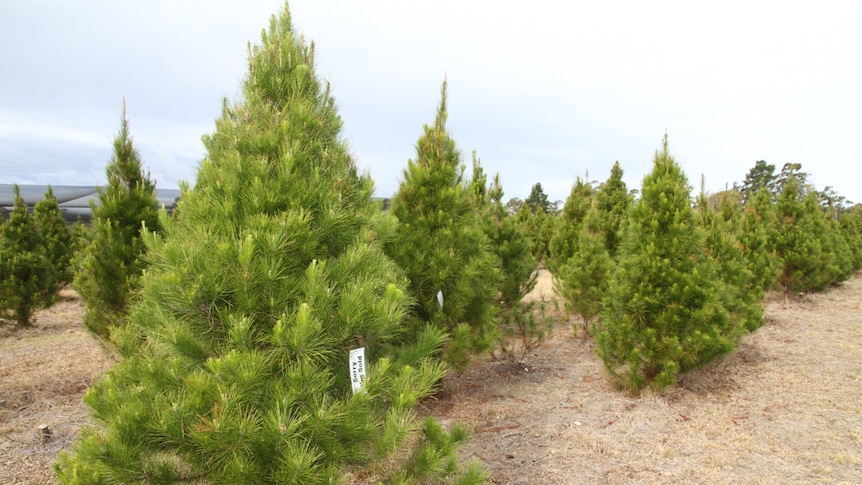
{"type": "Point", "coordinates": [440, 121]}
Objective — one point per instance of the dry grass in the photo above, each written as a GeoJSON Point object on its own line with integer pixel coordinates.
{"type": "Point", "coordinates": [44, 372]}
{"type": "Point", "coordinates": [784, 408]}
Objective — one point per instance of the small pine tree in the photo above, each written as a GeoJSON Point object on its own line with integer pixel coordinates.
{"type": "Point", "coordinates": [564, 242]}
{"type": "Point", "coordinates": [26, 272]}
{"type": "Point", "coordinates": [741, 295]}
{"type": "Point", "coordinates": [851, 230]}
{"type": "Point", "coordinates": [803, 241]}
{"type": "Point", "coordinates": [662, 314]}
{"type": "Point", "coordinates": [454, 276]}
{"type": "Point", "coordinates": [108, 272]}
{"type": "Point", "coordinates": [539, 227]}
{"type": "Point", "coordinates": [56, 237]}
{"type": "Point", "coordinates": [614, 202]}
{"type": "Point", "coordinates": [759, 233]}
{"type": "Point", "coordinates": [582, 281]}
{"type": "Point", "coordinates": [236, 360]}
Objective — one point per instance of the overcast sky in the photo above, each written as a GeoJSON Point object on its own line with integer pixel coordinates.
{"type": "Point", "coordinates": [544, 91]}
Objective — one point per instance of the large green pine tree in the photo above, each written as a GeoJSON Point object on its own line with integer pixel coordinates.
{"type": "Point", "coordinates": [564, 242]}
{"type": "Point", "coordinates": [56, 236]}
{"type": "Point", "coordinates": [663, 314]}
{"type": "Point", "coordinates": [112, 262]}
{"type": "Point", "coordinates": [26, 271]}
{"type": "Point", "coordinates": [236, 363]}
{"type": "Point", "coordinates": [441, 245]}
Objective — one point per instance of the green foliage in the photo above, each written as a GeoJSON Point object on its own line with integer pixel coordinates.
{"type": "Point", "coordinates": [582, 280]}
{"type": "Point", "coordinates": [27, 275]}
{"type": "Point", "coordinates": [109, 267]}
{"type": "Point", "coordinates": [442, 246]}
{"type": "Point", "coordinates": [851, 229]}
{"type": "Point", "coordinates": [564, 242]}
{"type": "Point", "coordinates": [813, 252]}
{"type": "Point", "coordinates": [539, 227]}
{"type": "Point", "coordinates": [760, 176]}
{"type": "Point", "coordinates": [538, 200]}
{"type": "Point", "coordinates": [56, 237]}
{"type": "Point", "coordinates": [235, 362]}
{"type": "Point", "coordinates": [663, 313]}
{"type": "Point", "coordinates": [614, 202]}
{"type": "Point", "coordinates": [759, 234]}
{"type": "Point", "coordinates": [741, 295]}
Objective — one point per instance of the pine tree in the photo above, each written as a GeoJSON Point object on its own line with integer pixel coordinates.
{"type": "Point", "coordinates": [26, 272]}
{"type": "Point", "coordinates": [582, 280]}
{"type": "Point", "coordinates": [759, 234]}
{"type": "Point", "coordinates": [662, 314]}
{"type": "Point", "coordinates": [565, 239]}
{"type": "Point", "coordinates": [112, 262]}
{"type": "Point", "coordinates": [538, 199]}
{"type": "Point", "coordinates": [539, 227]}
{"type": "Point", "coordinates": [56, 237]}
{"type": "Point", "coordinates": [454, 277]}
{"type": "Point", "coordinates": [851, 229]}
{"type": "Point", "coordinates": [267, 276]}
{"type": "Point", "coordinates": [741, 294]}
{"type": "Point", "coordinates": [614, 202]}
{"type": "Point", "coordinates": [802, 241]}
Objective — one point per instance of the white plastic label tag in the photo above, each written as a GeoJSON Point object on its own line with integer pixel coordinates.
{"type": "Point", "coordinates": [440, 298]}
{"type": "Point", "coordinates": [357, 368]}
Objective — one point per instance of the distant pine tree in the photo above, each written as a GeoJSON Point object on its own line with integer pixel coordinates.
{"type": "Point", "coordinates": [614, 202]}
{"type": "Point", "coordinates": [741, 294]}
{"type": "Point", "coordinates": [26, 272]}
{"type": "Point", "coordinates": [57, 238]}
{"type": "Point", "coordinates": [112, 262]}
{"type": "Point", "coordinates": [564, 242]}
{"type": "Point", "coordinates": [663, 312]}
{"type": "Point", "coordinates": [582, 280]}
{"type": "Point", "coordinates": [759, 233]}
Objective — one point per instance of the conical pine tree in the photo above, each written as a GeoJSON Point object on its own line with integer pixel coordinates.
{"type": "Point", "coordinates": [741, 295]}
{"type": "Point", "coordinates": [454, 276]}
{"type": "Point", "coordinates": [583, 280]}
{"type": "Point", "coordinates": [662, 314]}
{"type": "Point", "coordinates": [26, 271]}
{"type": "Point", "coordinates": [759, 226]}
{"type": "Point", "coordinates": [56, 236]}
{"type": "Point", "coordinates": [614, 202]}
{"type": "Point", "coordinates": [112, 262]}
{"type": "Point", "coordinates": [564, 242]}
{"type": "Point", "coordinates": [236, 364]}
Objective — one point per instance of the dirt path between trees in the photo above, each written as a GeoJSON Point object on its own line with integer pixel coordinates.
{"type": "Point", "coordinates": [786, 407]}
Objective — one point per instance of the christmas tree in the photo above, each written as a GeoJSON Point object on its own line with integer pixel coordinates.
{"type": "Point", "coordinates": [267, 298]}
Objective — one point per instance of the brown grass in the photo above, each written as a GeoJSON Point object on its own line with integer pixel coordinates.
{"type": "Point", "coordinates": [784, 408]}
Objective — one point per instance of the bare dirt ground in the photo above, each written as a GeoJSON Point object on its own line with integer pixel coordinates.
{"type": "Point", "coordinates": [784, 408]}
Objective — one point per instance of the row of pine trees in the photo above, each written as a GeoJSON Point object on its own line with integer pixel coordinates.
{"type": "Point", "coordinates": [236, 314]}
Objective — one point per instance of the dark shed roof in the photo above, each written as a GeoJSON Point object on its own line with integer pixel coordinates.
{"type": "Point", "coordinates": [74, 201]}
